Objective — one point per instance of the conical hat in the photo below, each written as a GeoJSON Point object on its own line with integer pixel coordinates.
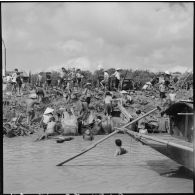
{"type": "Point", "coordinates": [123, 92]}
{"type": "Point", "coordinates": [33, 96]}
{"type": "Point", "coordinates": [148, 83]}
{"type": "Point", "coordinates": [48, 110]}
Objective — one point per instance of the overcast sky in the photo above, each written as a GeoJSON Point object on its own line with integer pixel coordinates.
{"type": "Point", "coordinates": [154, 36]}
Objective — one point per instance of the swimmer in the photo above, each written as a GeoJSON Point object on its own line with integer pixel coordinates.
{"type": "Point", "coordinates": [119, 150]}
{"type": "Point", "coordinates": [88, 135]}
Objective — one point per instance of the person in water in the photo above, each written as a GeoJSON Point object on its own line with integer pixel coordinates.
{"type": "Point", "coordinates": [119, 150]}
{"type": "Point", "coordinates": [88, 135]}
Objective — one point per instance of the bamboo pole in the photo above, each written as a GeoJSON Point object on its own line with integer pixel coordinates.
{"type": "Point", "coordinates": [137, 119]}
{"type": "Point", "coordinates": [89, 148]}
{"type": "Point", "coordinates": [139, 135]}
{"type": "Point", "coordinates": [101, 140]}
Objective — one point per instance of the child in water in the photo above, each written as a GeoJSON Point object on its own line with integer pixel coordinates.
{"type": "Point", "coordinates": [88, 135]}
{"type": "Point", "coordinates": [119, 150]}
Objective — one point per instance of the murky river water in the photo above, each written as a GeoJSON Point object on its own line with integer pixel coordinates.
{"type": "Point", "coordinates": [29, 167]}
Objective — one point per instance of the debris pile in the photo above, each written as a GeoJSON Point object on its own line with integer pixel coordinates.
{"type": "Point", "coordinates": [66, 104]}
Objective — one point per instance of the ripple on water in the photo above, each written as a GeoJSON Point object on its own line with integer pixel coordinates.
{"type": "Point", "coordinates": [30, 167]}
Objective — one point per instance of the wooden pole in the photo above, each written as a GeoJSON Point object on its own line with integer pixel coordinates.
{"type": "Point", "coordinates": [104, 138]}
{"type": "Point", "coordinates": [89, 148]}
{"type": "Point", "coordinates": [137, 119]}
{"type": "Point", "coordinates": [139, 135]}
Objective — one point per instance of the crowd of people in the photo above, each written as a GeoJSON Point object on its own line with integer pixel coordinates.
{"type": "Point", "coordinates": [70, 81]}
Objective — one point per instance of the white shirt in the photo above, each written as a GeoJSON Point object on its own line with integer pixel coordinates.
{"type": "Point", "coordinates": [40, 77]}
{"type": "Point", "coordinates": [106, 76]}
{"type": "Point", "coordinates": [14, 76]}
{"type": "Point", "coordinates": [108, 99]}
{"type": "Point", "coordinates": [145, 86]}
{"type": "Point", "coordinates": [50, 127]}
{"type": "Point", "coordinates": [143, 131]}
{"type": "Point", "coordinates": [78, 75]}
{"type": "Point", "coordinates": [46, 118]}
{"type": "Point", "coordinates": [62, 74]}
{"type": "Point", "coordinates": [8, 78]}
{"type": "Point", "coordinates": [172, 96]}
{"type": "Point", "coordinates": [117, 75]}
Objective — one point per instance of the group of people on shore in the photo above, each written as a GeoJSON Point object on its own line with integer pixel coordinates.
{"type": "Point", "coordinates": [16, 81]}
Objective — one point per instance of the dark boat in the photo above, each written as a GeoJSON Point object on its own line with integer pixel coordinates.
{"type": "Point", "coordinates": [178, 143]}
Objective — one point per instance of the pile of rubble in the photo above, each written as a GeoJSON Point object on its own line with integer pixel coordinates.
{"type": "Point", "coordinates": [14, 108]}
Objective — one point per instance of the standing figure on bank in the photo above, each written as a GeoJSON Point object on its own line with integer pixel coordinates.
{"type": "Point", "coordinates": [40, 93]}
{"type": "Point", "coordinates": [62, 78]}
{"type": "Point", "coordinates": [48, 80]}
{"type": "Point", "coordinates": [87, 92]}
{"type": "Point", "coordinates": [19, 83]}
{"type": "Point", "coordinates": [117, 78]}
{"type": "Point", "coordinates": [14, 82]}
{"type": "Point", "coordinates": [79, 78]}
{"type": "Point", "coordinates": [108, 103]}
{"type": "Point", "coordinates": [105, 83]}
{"type": "Point", "coordinates": [73, 77]}
{"type": "Point", "coordinates": [40, 80]}
{"type": "Point", "coordinates": [162, 92]}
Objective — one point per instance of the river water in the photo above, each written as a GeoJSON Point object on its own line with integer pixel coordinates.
{"type": "Point", "coordinates": [30, 167]}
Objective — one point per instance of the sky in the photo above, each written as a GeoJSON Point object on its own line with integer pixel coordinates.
{"type": "Point", "coordinates": [156, 36]}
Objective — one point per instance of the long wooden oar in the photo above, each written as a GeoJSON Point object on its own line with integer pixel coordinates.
{"type": "Point", "coordinates": [89, 148]}
{"type": "Point", "coordinates": [101, 140]}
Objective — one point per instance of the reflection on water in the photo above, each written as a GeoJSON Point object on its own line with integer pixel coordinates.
{"type": "Point", "coordinates": [30, 167]}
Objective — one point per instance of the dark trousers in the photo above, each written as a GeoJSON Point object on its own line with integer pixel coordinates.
{"type": "Point", "coordinates": [116, 83]}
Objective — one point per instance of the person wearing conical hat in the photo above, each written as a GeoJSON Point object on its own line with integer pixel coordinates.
{"type": "Point", "coordinates": [126, 99]}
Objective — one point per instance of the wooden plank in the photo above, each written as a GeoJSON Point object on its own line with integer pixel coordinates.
{"type": "Point", "coordinates": [125, 112]}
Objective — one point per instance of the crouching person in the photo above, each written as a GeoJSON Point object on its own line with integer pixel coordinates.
{"type": "Point", "coordinates": [48, 114]}
{"type": "Point", "coordinates": [119, 150]}
{"type": "Point", "coordinates": [50, 130]}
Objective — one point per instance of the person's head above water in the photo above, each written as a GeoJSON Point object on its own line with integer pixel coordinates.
{"type": "Point", "coordinates": [118, 142]}
{"type": "Point", "coordinates": [138, 112]}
